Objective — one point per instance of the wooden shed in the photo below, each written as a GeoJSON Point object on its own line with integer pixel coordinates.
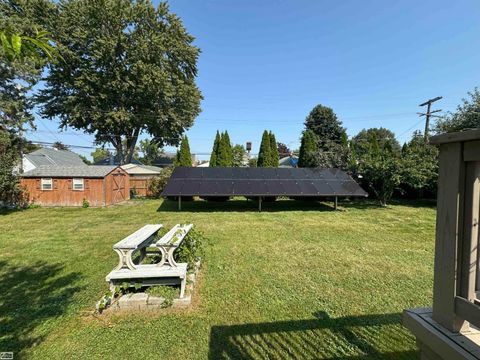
{"type": "Point", "coordinates": [73, 185]}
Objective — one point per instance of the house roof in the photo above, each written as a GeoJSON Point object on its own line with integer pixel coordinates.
{"type": "Point", "coordinates": [288, 161]}
{"type": "Point", "coordinates": [88, 171]}
{"type": "Point", "coordinates": [137, 169]}
{"type": "Point", "coordinates": [46, 156]}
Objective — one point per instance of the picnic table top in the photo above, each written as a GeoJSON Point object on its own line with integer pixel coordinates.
{"type": "Point", "coordinates": [134, 240]}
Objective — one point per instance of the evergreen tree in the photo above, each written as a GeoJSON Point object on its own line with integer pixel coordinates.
{"type": "Point", "coordinates": [228, 149]}
{"type": "Point", "coordinates": [308, 150]}
{"type": "Point", "coordinates": [214, 154]}
{"type": "Point", "coordinates": [273, 150]}
{"type": "Point", "coordinates": [225, 153]}
{"type": "Point", "coordinates": [325, 125]}
{"type": "Point", "coordinates": [184, 157]}
{"type": "Point", "coordinates": [265, 153]}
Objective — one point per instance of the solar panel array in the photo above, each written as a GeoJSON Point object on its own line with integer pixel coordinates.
{"type": "Point", "coordinates": [219, 181]}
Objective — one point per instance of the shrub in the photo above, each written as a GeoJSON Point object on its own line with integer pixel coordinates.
{"type": "Point", "coordinates": [156, 186]}
{"type": "Point", "coordinates": [191, 249]}
{"type": "Point", "coordinates": [85, 203]}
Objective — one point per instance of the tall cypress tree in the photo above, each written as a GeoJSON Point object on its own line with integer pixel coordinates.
{"type": "Point", "coordinates": [184, 157]}
{"type": "Point", "coordinates": [228, 149]}
{"type": "Point", "coordinates": [273, 150]}
{"type": "Point", "coordinates": [214, 154]}
{"type": "Point", "coordinates": [224, 155]}
{"type": "Point", "coordinates": [308, 150]}
{"type": "Point", "coordinates": [265, 153]}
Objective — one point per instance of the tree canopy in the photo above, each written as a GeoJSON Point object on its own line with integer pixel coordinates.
{"type": "Point", "coordinates": [467, 115]}
{"type": "Point", "coordinates": [152, 152]}
{"type": "Point", "coordinates": [129, 68]}
{"type": "Point", "coordinates": [378, 137]}
{"type": "Point", "coordinates": [323, 122]}
{"type": "Point", "coordinates": [420, 166]}
{"type": "Point", "coordinates": [283, 150]}
{"type": "Point", "coordinates": [100, 154]}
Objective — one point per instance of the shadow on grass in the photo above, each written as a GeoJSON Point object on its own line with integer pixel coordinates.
{"type": "Point", "coordinates": [351, 337]}
{"type": "Point", "coordinates": [242, 205]}
{"type": "Point", "coordinates": [30, 296]}
{"type": "Point", "coordinates": [7, 211]}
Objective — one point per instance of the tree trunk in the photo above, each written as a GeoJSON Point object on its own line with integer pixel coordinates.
{"type": "Point", "coordinates": [131, 143]}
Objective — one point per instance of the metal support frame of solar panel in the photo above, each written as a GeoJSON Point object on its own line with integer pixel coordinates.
{"type": "Point", "coordinates": [265, 182]}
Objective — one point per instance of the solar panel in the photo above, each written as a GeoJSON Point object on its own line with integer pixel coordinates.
{"type": "Point", "coordinates": [220, 181]}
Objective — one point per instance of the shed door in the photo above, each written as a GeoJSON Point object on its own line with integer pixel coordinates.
{"type": "Point", "coordinates": [118, 188]}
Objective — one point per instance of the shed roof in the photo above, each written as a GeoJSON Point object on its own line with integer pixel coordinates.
{"type": "Point", "coordinates": [140, 169]}
{"type": "Point", "coordinates": [230, 181]}
{"type": "Point", "coordinates": [46, 156]}
{"type": "Point", "coordinates": [89, 171]}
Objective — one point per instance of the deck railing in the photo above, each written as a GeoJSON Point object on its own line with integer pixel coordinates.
{"type": "Point", "coordinates": [457, 279]}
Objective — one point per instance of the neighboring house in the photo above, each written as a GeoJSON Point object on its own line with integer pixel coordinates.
{"type": "Point", "coordinates": [288, 161]}
{"type": "Point", "coordinates": [204, 164]}
{"type": "Point", "coordinates": [140, 177]}
{"type": "Point", "coordinates": [47, 157]}
{"type": "Point", "coordinates": [52, 185]}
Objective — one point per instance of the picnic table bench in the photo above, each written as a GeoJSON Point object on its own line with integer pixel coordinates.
{"type": "Point", "coordinates": [166, 272]}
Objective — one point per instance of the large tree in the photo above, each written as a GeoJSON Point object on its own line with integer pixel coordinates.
{"type": "Point", "coordinates": [467, 115]}
{"type": "Point", "coordinates": [265, 153]}
{"type": "Point", "coordinates": [129, 68]}
{"type": "Point", "coordinates": [323, 122]}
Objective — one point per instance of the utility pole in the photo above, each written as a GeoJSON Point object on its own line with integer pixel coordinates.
{"type": "Point", "coordinates": [428, 114]}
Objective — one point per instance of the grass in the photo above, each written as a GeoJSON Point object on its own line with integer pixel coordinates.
{"type": "Point", "coordinates": [295, 281]}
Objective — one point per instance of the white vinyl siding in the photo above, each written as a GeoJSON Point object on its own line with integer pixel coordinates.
{"type": "Point", "coordinates": [78, 184]}
{"type": "Point", "coordinates": [46, 183]}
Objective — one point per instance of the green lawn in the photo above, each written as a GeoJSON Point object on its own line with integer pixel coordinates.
{"type": "Point", "coordinates": [295, 281]}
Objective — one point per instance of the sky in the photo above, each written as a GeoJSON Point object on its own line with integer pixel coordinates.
{"type": "Point", "coordinates": [266, 64]}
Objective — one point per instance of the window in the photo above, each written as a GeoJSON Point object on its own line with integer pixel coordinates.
{"type": "Point", "coordinates": [47, 183]}
{"type": "Point", "coordinates": [78, 184]}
